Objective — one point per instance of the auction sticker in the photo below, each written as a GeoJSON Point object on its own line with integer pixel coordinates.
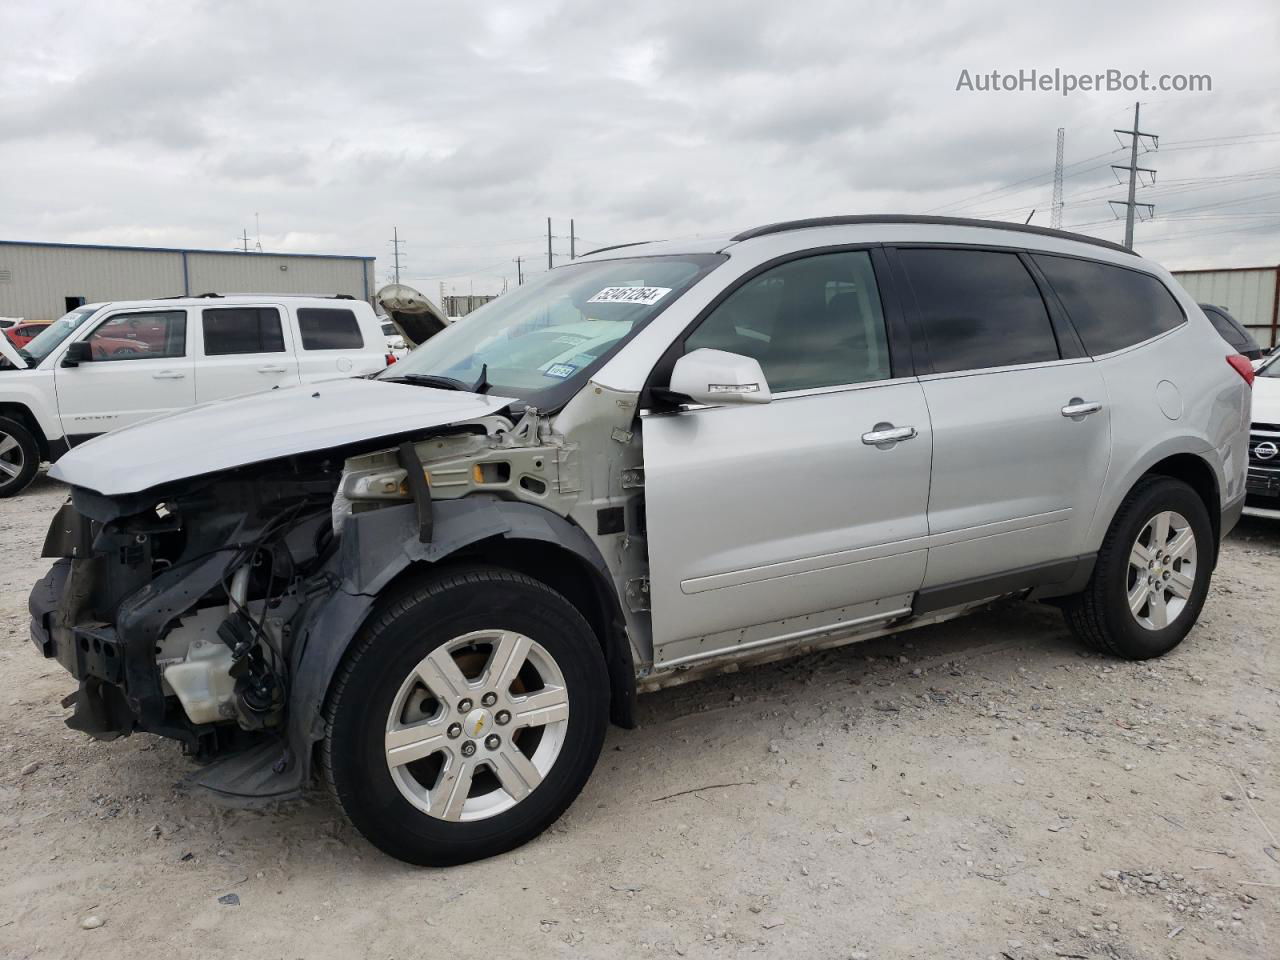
{"type": "Point", "coordinates": [560, 370]}
{"type": "Point", "coordinates": [645, 295]}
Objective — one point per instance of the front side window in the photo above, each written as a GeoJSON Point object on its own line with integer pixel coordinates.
{"type": "Point", "coordinates": [979, 309]}
{"type": "Point", "coordinates": [233, 330]}
{"type": "Point", "coordinates": [161, 334]}
{"type": "Point", "coordinates": [55, 333]}
{"type": "Point", "coordinates": [329, 329]}
{"type": "Point", "coordinates": [813, 322]}
{"type": "Point", "coordinates": [1110, 307]}
{"type": "Point", "coordinates": [540, 342]}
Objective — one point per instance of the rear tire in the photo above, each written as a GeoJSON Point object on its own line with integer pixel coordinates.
{"type": "Point", "coordinates": [466, 718]}
{"type": "Point", "coordinates": [19, 457]}
{"type": "Point", "coordinates": [1152, 573]}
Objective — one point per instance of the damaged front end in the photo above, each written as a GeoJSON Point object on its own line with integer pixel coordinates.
{"type": "Point", "coordinates": [215, 611]}
{"type": "Point", "coordinates": [176, 610]}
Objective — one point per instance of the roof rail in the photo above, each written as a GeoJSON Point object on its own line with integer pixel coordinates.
{"type": "Point", "coordinates": [616, 246]}
{"type": "Point", "coordinates": [871, 218]}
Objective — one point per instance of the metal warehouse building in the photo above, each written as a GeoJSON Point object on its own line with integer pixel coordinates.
{"type": "Point", "coordinates": [42, 281]}
{"type": "Point", "coordinates": [1250, 294]}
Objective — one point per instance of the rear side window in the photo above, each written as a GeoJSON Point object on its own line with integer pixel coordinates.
{"type": "Point", "coordinates": [328, 329]}
{"type": "Point", "coordinates": [231, 330]}
{"type": "Point", "coordinates": [1110, 307]}
{"type": "Point", "coordinates": [979, 309]}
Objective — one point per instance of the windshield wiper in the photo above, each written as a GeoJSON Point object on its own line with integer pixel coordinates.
{"type": "Point", "coordinates": [482, 384]}
{"type": "Point", "coordinates": [428, 380]}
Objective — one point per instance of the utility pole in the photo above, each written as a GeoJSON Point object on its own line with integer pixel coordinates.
{"type": "Point", "coordinates": [395, 246]}
{"type": "Point", "coordinates": [573, 239]}
{"type": "Point", "coordinates": [549, 263]}
{"type": "Point", "coordinates": [1131, 205]}
{"type": "Point", "coordinates": [519, 271]}
{"type": "Point", "coordinates": [244, 242]}
{"type": "Point", "coordinates": [1055, 216]}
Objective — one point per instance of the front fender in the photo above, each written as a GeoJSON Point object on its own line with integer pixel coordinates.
{"type": "Point", "coordinates": [375, 548]}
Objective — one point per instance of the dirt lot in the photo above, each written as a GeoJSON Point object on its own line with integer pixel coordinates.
{"type": "Point", "coordinates": [977, 789]}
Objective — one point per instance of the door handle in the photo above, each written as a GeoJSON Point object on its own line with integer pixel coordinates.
{"type": "Point", "coordinates": [887, 433]}
{"type": "Point", "coordinates": [1078, 409]}
{"type": "Point", "coordinates": [168, 375]}
{"type": "Point", "coordinates": [272, 369]}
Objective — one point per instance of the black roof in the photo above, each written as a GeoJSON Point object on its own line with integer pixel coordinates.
{"type": "Point", "coordinates": [856, 219]}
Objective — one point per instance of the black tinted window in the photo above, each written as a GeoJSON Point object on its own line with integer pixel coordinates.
{"type": "Point", "coordinates": [979, 309]}
{"type": "Point", "coordinates": [810, 323]}
{"type": "Point", "coordinates": [1110, 307]}
{"type": "Point", "coordinates": [324, 329]}
{"type": "Point", "coordinates": [230, 330]}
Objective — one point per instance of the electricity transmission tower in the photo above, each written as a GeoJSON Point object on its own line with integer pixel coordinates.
{"type": "Point", "coordinates": [1055, 217]}
{"type": "Point", "coordinates": [1131, 205]}
{"type": "Point", "coordinates": [395, 246]}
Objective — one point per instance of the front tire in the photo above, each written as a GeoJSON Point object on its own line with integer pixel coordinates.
{"type": "Point", "coordinates": [467, 717]}
{"type": "Point", "coordinates": [19, 457]}
{"type": "Point", "coordinates": [1152, 573]}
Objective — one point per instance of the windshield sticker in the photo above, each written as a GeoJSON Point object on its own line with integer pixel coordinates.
{"type": "Point", "coordinates": [561, 371]}
{"type": "Point", "coordinates": [644, 295]}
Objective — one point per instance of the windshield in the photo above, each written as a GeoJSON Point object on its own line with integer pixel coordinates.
{"type": "Point", "coordinates": [55, 333]}
{"type": "Point", "coordinates": [543, 340]}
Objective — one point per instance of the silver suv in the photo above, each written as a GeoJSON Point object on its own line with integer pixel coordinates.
{"type": "Point", "coordinates": [438, 585]}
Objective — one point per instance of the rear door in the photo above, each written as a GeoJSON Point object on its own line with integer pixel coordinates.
{"type": "Point", "coordinates": [332, 343]}
{"type": "Point", "coordinates": [1021, 437]}
{"type": "Point", "coordinates": [244, 349]}
{"type": "Point", "coordinates": [141, 367]}
{"type": "Point", "coordinates": [782, 519]}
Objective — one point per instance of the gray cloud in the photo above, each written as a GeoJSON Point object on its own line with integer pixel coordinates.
{"type": "Point", "coordinates": [466, 125]}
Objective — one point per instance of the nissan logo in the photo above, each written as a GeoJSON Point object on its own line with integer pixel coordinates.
{"type": "Point", "coordinates": [1265, 450]}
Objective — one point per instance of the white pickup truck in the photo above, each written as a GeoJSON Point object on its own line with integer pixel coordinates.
{"type": "Point", "coordinates": [107, 365]}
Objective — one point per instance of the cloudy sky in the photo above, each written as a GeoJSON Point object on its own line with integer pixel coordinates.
{"type": "Point", "coordinates": [466, 125]}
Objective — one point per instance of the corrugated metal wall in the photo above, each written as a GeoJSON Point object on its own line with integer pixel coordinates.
{"type": "Point", "coordinates": [461, 305]}
{"type": "Point", "coordinates": [36, 279]}
{"type": "Point", "coordinates": [1249, 294]}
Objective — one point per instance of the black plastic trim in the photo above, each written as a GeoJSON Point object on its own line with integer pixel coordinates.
{"type": "Point", "coordinates": [1063, 573]}
{"type": "Point", "coordinates": [885, 218]}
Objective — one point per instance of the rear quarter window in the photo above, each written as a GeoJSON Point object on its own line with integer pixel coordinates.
{"type": "Point", "coordinates": [1111, 307]}
{"type": "Point", "coordinates": [325, 328]}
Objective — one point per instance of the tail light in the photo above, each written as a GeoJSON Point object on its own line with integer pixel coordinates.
{"type": "Point", "coordinates": [391, 358]}
{"type": "Point", "coordinates": [1241, 365]}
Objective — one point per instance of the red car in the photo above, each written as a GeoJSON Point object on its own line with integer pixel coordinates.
{"type": "Point", "coordinates": [20, 334]}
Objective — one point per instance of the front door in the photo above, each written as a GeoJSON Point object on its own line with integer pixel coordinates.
{"type": "Point", "coordinates": [1021, 437]}
{"type": "Point", "coordinates": [777, 520]}
{"type": "Point", "coordinates": [141, 367]}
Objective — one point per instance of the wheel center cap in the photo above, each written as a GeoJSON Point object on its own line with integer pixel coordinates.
{"type": "Point", "coordinates": [477, 723]}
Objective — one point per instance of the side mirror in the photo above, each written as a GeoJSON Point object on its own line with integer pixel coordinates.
{"type": "Point", "coordinates": [717, 376]}
{"type": "Point", "coordinates": [77, 353]}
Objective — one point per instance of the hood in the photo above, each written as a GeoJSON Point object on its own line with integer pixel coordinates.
{"type": "Point", "coordinates": [10, 352]}
{"type": "Point", "coordinates": [1266, 400]}
{"type": "Point", "coordinates": [414, 315]}
{"type": "Point", "coordinates": [262, 426]}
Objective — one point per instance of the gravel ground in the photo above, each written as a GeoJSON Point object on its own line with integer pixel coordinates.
{"type": "Point", "coordinates": [977, 789]}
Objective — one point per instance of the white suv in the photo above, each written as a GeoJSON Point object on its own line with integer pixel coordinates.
{"type": "Point", "coordinates": [439, 584]}
{"type": "Point", "coordinates": [107, 365]}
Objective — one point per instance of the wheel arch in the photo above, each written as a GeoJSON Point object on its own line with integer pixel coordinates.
{"type": "Point", "coordinates": [1191, 467]}
{"type": "Point", "coordinates": [380, 550]}
{"type": "Point", "coordinates": [23, 415]}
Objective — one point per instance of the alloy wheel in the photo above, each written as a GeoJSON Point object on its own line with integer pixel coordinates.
{"type": "Point", "coordinates": [477, 725]}
{"type": "Point", "coordinates": [1162, 570]}
{"type": "Point", "coordinates": [12, 458]}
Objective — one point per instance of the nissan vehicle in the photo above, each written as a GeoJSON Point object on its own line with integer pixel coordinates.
{"type": "Point", "coordinates": [1263, 486]}
{"type": "Point", "coordinates": [433, 588]}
